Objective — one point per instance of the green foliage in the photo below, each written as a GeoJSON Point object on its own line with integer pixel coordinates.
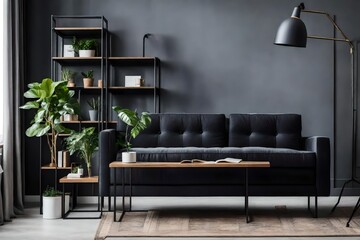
{"type": "Point", "coordinates": [52, 100]}
{"type": "Point", "coordinates": [84, 44]}
{"type": "Point", "coordinates": [66, 74]}
{"type": "Point", "coordinates": [88, 74]}
{"type": "Point", "coordinates": [85, 143]}
{"type": "Point", "coordinates": [51, 192]}
{"type": "Point", "coordinates": [94, 103]}
{"type": "Point", "coordinates": [134, 121]}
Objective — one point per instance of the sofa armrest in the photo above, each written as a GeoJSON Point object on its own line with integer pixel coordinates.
{"type": "Point", "coordinates": [321, 146]}
{"type": "Point", "coordinates": [108, 149]}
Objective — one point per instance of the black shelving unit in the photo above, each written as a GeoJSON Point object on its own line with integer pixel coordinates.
{"type": "Point", "coordinates": [60, 33]}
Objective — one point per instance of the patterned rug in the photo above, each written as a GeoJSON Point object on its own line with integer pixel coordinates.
{"type": "Point", "coordinates": [278, 222]}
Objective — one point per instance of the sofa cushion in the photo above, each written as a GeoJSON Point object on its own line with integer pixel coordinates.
{"type": "Point", "coordinates": [184, 130]}
{"type": "Point", "coordinates": [278, 157]}
{"type": "Point", "coordinates": [265, 130]}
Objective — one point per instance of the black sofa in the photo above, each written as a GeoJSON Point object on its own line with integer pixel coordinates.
{"type": "Point", "coordinates": [299, 166]}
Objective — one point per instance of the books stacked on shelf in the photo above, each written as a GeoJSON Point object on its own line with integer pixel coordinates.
{"type": "Point", "coordinates": [74, 175]}
{"type": "Point", "coordinates": [224, 160]}
{"type": "Point", "coordinates": [63, 159]}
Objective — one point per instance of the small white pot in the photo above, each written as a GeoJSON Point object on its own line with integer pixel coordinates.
{"type": "Point", "coordinates": [93, 114]}
{"type": "Point", "coordinates": [52, 207]}
{"type": "Point", "coordinates": [128, 157]}
{"type": "Point", "coordinates": [86, 53]}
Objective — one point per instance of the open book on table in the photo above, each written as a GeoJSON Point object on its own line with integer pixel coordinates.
{"type": "Point", "coordinates": [224, 160]}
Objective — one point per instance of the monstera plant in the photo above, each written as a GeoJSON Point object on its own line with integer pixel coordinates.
{"type": "Point", "coordinates": [85, 143]}
{"type": "Point", "coordinates": [52, 100]}
{"type": "Point", "coordinates": [135, 125]}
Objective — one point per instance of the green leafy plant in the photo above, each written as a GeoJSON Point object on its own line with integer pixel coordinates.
{"type": "Point", "coordinates": [135, 124]}
{"type": "Point", "coordinates": [51, 192]}
{"type": "Point", "coordinates": [52, 99]}
{"type": "Point", "coordinates": [84, 44]}
{"type": "Point", "coordinates": [66, 74]}
{"type": "Point", "coordinates": [85, 143]}
{"type": "Point", "coordinates": [94, 103]}
{"type": "Point", "coordinates": [88, 74]}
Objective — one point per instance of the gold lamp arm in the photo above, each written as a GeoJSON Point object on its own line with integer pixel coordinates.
{"type": "Point", "coordinates": [344, 39]}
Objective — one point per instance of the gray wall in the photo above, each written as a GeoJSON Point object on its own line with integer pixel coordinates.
{"type": "Point", "coordinates": [218, 57]}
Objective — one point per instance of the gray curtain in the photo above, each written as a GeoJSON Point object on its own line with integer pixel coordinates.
{"type": "Point", "coordinates": [13, 192]}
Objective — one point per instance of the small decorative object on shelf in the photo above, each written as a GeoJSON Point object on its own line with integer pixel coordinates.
{"type": "Point", "coordinates": [47, 118]}
{"type": "Point", "coordinates": [88, 78]}
{"type": "Point", "coordinates": [137, 124]}
{"type": "Point", "coordinates": [69, 51]}
{"type": "Point", "coordinates": [133, 81]}
{"type": "Point", "coordinates": [85, 143]}
{"type": "Point", "coordinates": [71, 117]}
{"type": "Point", "coordinates": [100, 83]}
{"type": "Point", "coordinates": [94, 111]}
{"type": "Point", "coordinates": [68, 76]}
{"type": "Point", "coordinates": [85, 47]}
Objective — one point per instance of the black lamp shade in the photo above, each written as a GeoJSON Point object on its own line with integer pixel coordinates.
{"type": "Point", "coordinates": [292, 32]}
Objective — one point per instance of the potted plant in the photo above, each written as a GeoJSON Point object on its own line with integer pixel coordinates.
{"type": "Point", "coordinates": [88, 78]}
{"type": "Point", "coordinates": [53, 100]}
{"type": "Point", "coordinates": [68, 76]}
{"type": "Point", "coordinates": [85, 143]}
{"type": "Point", "coordinates": [51, 203]}
{"type": "Point", "coordinates": [135, 125]}
{"type": "Point", "coordinates": [94, 105]}
{"type": "Point", "coordinates": [85, 47]}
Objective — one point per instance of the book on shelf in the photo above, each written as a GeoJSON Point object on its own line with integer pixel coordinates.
{"type": "Point", "coordinates": [60, 159]}
{"type": "Point", "coordinates": [74, 175]}
{"type": "Point", "coordinates": [224, 160]}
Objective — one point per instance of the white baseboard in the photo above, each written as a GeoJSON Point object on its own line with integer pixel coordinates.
{"type": "Point", "coordinates": [81, 199]}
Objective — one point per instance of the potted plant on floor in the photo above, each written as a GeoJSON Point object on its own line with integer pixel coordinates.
{"type": "Point", "coordinates": [135, 125]}
{"type": "Point", "coordinates": [51, 203]}
{"type": "Point", "coordinates": [53, 100]}
{"type": "Point", "coordinates": [94, 111]}
{"type": "Point", "coordinates": [85, 143]}
{"type": "Point", "coordinates": [88, 78]}
{"type": "Point", "coordinates": [85, 47]}
{"type": "Point", "coordinates": [68, 76]}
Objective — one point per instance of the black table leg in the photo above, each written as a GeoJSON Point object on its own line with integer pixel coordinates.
{"type": "Point", "coordinates": [63, 202]}
{"type": "Point", "coordinates": [353, 212]}
{"type": "Point", "coordinates": [247, 196]}
{"type": "Point", "coordinates": [130, 207]}
{"type": "Point", "coordinates": [114, 179]}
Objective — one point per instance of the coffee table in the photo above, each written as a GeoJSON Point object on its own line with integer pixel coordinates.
{"type": "Point", "coordinates": [120, 165]}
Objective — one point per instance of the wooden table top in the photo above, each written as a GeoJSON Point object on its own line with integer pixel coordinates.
{"type": "Point", "coordinates": [242, 164]}
{"type": "Point", "coordinates": [93, 179]}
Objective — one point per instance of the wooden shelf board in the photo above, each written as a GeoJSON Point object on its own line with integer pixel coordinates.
{"type": "Point", "coordinates": [131, 88]}
{"type": "Point", "coordinates": [47, 167]}
{"type": "Point", "coordinates": [132, 58]}
{"type": "Point", "coordinates": [82, 122]}
{"type": "Point", "coordinates": [93, 179]}
{"type": "Point", "coordinates": [82, 88]}
{"type": "Point", "coordinates": [76, 58]}
{"type": "Point", "coordinates": [79, 31]}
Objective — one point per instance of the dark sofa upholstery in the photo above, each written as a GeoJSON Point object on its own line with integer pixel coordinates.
{"type": "Point", "coordinates": [299, 166]}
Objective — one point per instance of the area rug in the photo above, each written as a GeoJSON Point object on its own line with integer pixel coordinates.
{"type": "Point", "coordinates": [278, 222]}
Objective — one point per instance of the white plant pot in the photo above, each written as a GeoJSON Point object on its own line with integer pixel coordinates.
{"type": "Point", "coordinates": [128, 157]}
{"type": "Point", "coordinates": [52, 207]}
{"type": "Point", "coordinates": [86, 53]}
{"type": "Point", "coordinates": [93, 115]}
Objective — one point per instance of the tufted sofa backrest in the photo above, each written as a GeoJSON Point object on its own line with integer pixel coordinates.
{"type": "Point", "coordinates": [265, 130]}
{"type": "Point", "coordinates": [184, 130]}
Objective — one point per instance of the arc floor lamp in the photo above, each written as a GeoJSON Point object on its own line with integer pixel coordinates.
{"type": "Point", "coordinates": [292, 32]}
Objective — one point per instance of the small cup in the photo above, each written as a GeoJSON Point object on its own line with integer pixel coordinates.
{"type": "Point", "coordinates": [100, 83]}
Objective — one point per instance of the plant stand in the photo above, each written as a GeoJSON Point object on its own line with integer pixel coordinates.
{"type": "Point", "coordinates": [75, 181]}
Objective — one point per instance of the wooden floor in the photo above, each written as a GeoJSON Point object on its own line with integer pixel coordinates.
{"type": "Point", "coordinates": [33, 227]}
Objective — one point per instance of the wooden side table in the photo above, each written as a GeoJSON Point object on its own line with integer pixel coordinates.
{"type": "Point", "coordinates": [74, 181]}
